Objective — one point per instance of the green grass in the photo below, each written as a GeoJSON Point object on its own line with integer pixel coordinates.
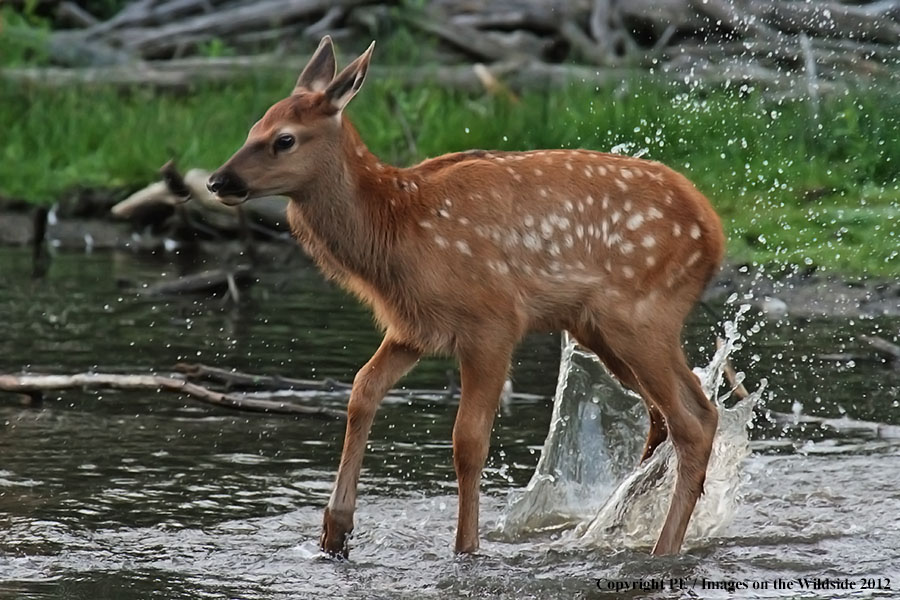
{"type": "Point", "coordinates": [790, 190]}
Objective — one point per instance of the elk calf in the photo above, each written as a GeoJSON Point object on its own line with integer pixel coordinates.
{"type": "Point", "coordinates": [466, 252]}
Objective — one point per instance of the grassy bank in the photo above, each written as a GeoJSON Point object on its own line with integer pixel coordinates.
{"type": "Point", "coordinates": [791, 189]}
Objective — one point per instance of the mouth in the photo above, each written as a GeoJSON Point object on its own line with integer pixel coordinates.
{"type": "Point", "coordinates": [233, 200]}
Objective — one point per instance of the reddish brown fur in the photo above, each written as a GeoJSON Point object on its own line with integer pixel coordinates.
{"type": "Point", "coordinates": [467, 252]}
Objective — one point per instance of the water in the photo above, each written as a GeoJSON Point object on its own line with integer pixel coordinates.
{"type": "Point", "coordinates": [144, 495]}
{"type": "Point", "coordinates": [586, 480]}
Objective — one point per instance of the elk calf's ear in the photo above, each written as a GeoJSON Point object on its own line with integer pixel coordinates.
{"type": "Point", "coordinates": [347, 83]}
{"type": "Point", "coordinates": [320, 69]}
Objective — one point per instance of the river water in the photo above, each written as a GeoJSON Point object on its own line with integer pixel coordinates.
{"type": "Point", "coordinates": [147, 495]}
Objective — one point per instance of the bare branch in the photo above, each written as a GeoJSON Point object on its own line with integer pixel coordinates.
{"type": "Point", "coordinates": [32, 384]}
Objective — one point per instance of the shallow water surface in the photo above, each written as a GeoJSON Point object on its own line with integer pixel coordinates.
{"type": "Point", "coordinates": [144, 495]}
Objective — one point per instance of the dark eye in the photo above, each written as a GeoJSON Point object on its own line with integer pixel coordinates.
{"type": "Point", "coordinates": [283, 142]}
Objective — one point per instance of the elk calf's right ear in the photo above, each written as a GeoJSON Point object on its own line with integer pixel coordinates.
{"type": "Point", "coordinates": [320, 69]}
{"type": "Point", "coordinates": [347, 83]}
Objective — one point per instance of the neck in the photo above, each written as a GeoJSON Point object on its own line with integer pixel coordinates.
{"type": "Point", "coordinates": [343, 218]}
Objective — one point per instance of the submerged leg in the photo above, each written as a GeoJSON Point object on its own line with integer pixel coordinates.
{"type": "Point", "coordinates": [372, 382]}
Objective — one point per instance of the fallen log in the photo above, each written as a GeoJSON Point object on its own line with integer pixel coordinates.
{"type": "Point", "coordinates": [248, 381]}
{"type": "Point", "coordinates": [207, 282]}
{"type": "Point", "coordinates": [238, 380]}
{"type": "Point", "coordinates": [889, 350]}
{"type": "Point", "coordinates": [35, 385]}
{"type": "Point", "coordinates": [166, 39]}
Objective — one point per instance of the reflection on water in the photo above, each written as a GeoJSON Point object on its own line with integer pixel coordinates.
{"type": "Point", "coordinates": [115, 495]}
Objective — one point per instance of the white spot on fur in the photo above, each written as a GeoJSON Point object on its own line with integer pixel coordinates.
{"type": "Point", "coordinates": [648, 242]}
{"type": "Point", "coordinates": [546, 229]}
{"type": "Point", "coordinates": [590, 200]}
{"type": "Point", "coordinates": [538, 172]}
{"type": "Point", "coordinates": [463, 247]}
{"type": "Point", "coordinates": [463, 221]}
{"type": "Point", "coordinates": [605, 202]}
{"type": "Point", "coordinates": [627, 248]}
{"type": "Point", "coordinates": [695, 231]}
{"type": "Point", "coordinates": [650, 261]}
{"type": "Point", "coordinates": [531, 241]}
{"type": "Point", "coordinates": [579, 231]}
{"type": "Point", "coordinates": [654, 214]}
{"type": "Point", "coordinates": [616, 216]}
{"type": "Point", "coordinates": [693, 258]}
{"type": "Point", "coordinates": [676, 230]}
{"type": "Point", "coordinates": [443, 212]}
{"type": "Point", "coordinates": [602, 170]}
{"type": "Point", "coordinates": [627, 206]}
{"type": "Point", "coordinates": [440, 241]}
{"type": "Point", "coordinates": [628, 272]}
{"type": "Point", "coordinates": [634, 221]}
{"type": "Point", "coordinates": [569, 166]}
{"type": "Point", "coordinates": [626, 173]}
{"type": "Point", "coordinates": [426, 224]}
{"type": "Point", "coordinates": [622, 185]}
{"type": "Point", "coordinates": [529, 221]}
{"type": "Point", "coordinates": [587, 171]}
{"type": "Point", "coordinates": [568, 205]}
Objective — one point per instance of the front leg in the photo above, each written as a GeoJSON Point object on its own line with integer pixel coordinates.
{"type": "Point", "coordinates": [392, 360]}
{"type": "Point", "coordinates": [482, 375]}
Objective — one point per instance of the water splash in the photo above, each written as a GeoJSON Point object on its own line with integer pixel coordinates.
{"type": "Point", "coordinates": [586, 480]}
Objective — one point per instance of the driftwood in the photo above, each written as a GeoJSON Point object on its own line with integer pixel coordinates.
{"type": "Point", "coordinates": [883, 346]}
{"type": "Point", "coordinates": [36, 384]}
{"type": "Point", "coordinates": [237, 380]}
{"type": "Point", "coordinates": [264, 217]}
{"type": "Point", "coordinates": [240, 391]}
{"type": "Point", "coordinates": [248, 381]}
{"type": "Point", "coordinates": [886, 352]}
{"type": "Point", "coordinates": [522, 43]}
{"type": "Point", "coordinates": [206, 282]}
{"type": "Point", "coordinates": [740, 392]}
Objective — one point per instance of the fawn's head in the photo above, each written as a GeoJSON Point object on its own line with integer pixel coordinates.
{"type": "Point", "coordinates": [297, 137]}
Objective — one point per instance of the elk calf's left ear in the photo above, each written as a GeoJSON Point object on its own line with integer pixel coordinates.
{"type": "Point", "coordinates": [340, 91]}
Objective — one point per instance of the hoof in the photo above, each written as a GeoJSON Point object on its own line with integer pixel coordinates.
{"type": "Point", "coordinates": [464, 547]}
{"type": "Point", "coordinates": [336, 530]}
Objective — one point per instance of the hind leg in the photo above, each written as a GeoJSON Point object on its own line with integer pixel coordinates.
{"type": "Point", "coordinates": [593, 340]}
{"type": "Point", "coordinates": [657, 365]}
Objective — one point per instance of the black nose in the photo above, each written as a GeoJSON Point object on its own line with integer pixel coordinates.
{"type": "Point", "coordinates": [226, 183]}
